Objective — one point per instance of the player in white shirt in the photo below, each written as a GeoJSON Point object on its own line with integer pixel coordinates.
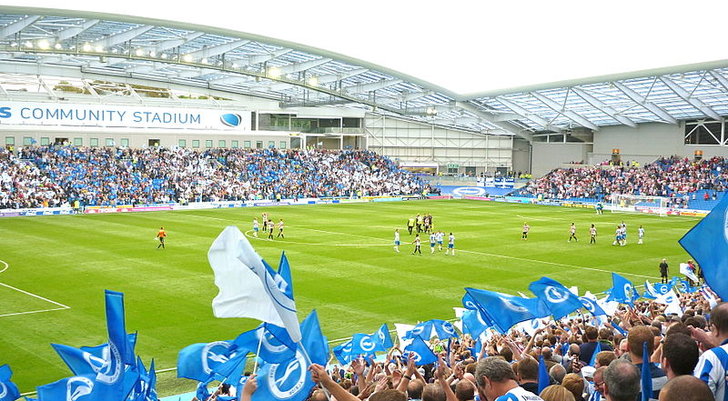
{"type": "Point", "coordinates": [572, 233]}
{"type": "Point", "coordinates": [450, 245]}
{"type": "Point", "coordinates": [256, 227]}
{"type": "Point", "coordinates": [433, 241]}
{"type": "Point", "coordinates": [438, 237]}
{"type": "Point", "coordinates": [640, 234]}
{"type": "Point", "coordinates": [592, 235]}
{"type": "Point", "coordinates": [396, 240]}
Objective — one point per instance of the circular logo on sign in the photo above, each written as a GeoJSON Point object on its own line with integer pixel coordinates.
{"type": "Point", "coordinates": [448, 328]}
{"type": "Point", "coordinates": [287, 379]}
{"type": "Point", "coordinates": [555, 295]}
{"type": "Point", "coordinates": [469, 191]}
{"type": "Point", "coordinates": [418, 330]}
{"type": "Point", "coordinates": [470, 305]}
{"type": "Point", "coordinates": [663, 289]}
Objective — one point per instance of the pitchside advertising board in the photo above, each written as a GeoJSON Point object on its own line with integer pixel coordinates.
{"type": "Point", "coordinates": [85, 115]}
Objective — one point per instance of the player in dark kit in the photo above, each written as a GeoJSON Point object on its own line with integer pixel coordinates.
{"type": "Point", "coordinates": [663, 271]}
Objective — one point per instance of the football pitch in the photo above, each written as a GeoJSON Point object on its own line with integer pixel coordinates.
{"type": "Point", "coordinates": [53, 270]}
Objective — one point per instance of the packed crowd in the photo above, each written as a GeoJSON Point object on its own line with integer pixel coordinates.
{"type": "Point", "coordinates": [672, 177]}
{"type": "Point", "coordinates": [56, 175]}
{"type": "Point", "coordinates": [583, 362]}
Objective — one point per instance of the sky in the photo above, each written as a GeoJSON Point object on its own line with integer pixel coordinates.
{"type": "Point", "coordinates": [466, 47]}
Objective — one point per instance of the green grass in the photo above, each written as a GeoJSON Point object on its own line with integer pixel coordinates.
{"type": "Point", "coordinates": [342, 261]}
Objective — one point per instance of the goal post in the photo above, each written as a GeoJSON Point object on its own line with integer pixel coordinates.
{"type": "Point", "coordinates": [622, 203]}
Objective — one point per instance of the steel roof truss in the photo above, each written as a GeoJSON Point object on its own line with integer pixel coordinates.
{"type": "Point", "coordinates": [695, 102]}
{"type": "Point", "coordinates": [603, 107]}
{"type": "Point", "coordinates": [18, 26]}
{"type": "Point", "coordinates": [565, 112]}
{"type": "Point", "coordinates": [653, 108]}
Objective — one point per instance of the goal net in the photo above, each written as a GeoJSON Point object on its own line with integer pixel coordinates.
{"type": "Point", "coordinates": [620, 203]}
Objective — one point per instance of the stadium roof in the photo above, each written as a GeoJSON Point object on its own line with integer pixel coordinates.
{"type": "Point", "coordinates": [105, 46]}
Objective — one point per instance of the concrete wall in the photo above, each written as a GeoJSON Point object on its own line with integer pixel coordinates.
{"type": "Point", "coordinates": [647, 142]}
{"type": "Point", "coordinates": [548, 156]}
{"type": "Point", "coordinates": [521, 155]}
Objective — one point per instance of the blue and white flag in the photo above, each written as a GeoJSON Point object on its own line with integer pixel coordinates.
{"type": "Point", "coordinates": [672, 303]}
{"type": "Point", "coordinates": [343, 353]}
{"type": "Point", "coordinates": [685, 287]}
{"type": "Point", "coordinates": [622, 290]}
{"type": "Point", "coordinates": [506, 310]}
{"type": "Point", "coordinates": [473, 324]}
{"type": "Point", "coordinates": [650, 291]}
{"type": "Point", "coordinates": [557, 298]}
{"type": "Point", "coordinates": [231, 370]}
{"type": "Point", "coordinates": [116, 326]}
{"type": "Point", "coordinates": [101, 349]}
{"type": "Point", "coordinates": [433, 328]}
{"type": "Point", "coordinates": [72, 388]}
{"type": "Point", "coordinates": [422, 354]}
{"type": "Point", "coordinates": [707, 243]}
{"type": "Point", "coordinates": [383, 338]}
{"type": "Point", "coordinates": [363, 345]}
{"type": "Point", "coordinates": [197, 361]}
{"type": "Point", "coordinates": [291, 380]}
{"type": "Point", "coordinates": [269, 336]}
{"type": "Point", "coordinates": [592, 306]}
{"type": "Point", "coordinates": [646, 375]}
{"type": "Point", "coordinates": [8, 389]}
{"type": "Point", "coordinates": [249, 288]}
{"type": "Point", "coordinates": [141, 388]}
{"type": "Point", "coordinates": [688, 272]}
{"type": "Point", "coordinates": [284, 278]}
{"type": "Point", "coordinates": [662, 288]}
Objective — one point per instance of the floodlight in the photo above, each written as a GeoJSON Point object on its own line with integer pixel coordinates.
{"type": "Point", "coordinates": [187, 58]}
{"type": "Point", "coordinates": [274, 72]}
{"type": "Point", "coordinates": [28, 44]}
{"type": "Point", "coordinates": [312, 81]}
{"type": "Point", "coordinates": [87, 47]}
{"type": "Point", "coordinates": [139, 52]}
{"type": "Point", "coordinates": [58, 46]}
{"type": "Point", "coordinates": [99, 48]}
{"type": "Point", "coordinates": [43, 44]}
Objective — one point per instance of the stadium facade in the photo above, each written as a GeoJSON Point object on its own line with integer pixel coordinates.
{"type": "Point", "coordinates": [90, 79]}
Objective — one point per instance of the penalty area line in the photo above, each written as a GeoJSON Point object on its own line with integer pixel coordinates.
{"type": "Point", "coordinates": [61, 306]}
{"type": "Point", "coordinates": [33, 311]}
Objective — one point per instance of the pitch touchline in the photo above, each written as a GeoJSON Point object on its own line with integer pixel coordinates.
{"type": "Point", "coordinates": [247, 234]}
{"type": "Point", "coordinates": [553, 263]}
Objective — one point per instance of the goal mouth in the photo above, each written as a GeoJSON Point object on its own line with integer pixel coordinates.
{"type": "Point", "coordinates": [624, 203]}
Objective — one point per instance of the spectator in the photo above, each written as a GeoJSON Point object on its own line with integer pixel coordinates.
{"type": "Point", "coordinates": [621, 381]}
{"type": "Point", "coordinates": [496, 378]}
{"type": "Point", "coordinates": [556, 393]}
{"type": "Point", "coordinates": [637, 336]}
{"type": "Point", "coordinates": [686, 388]}
{"type": "Point", "coordinates": [710, 368]}
{"type": "Point", "coordinates": [679, 355]}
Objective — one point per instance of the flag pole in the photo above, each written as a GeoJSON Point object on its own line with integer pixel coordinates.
{"type": "Point", "coordinates": [257, 353]}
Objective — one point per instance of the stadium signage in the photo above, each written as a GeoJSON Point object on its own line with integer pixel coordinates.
{"type": "Point", "coordinates": [85, 115]}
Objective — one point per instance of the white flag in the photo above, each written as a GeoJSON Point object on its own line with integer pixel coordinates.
{"type": "Point", "coordinates": [672, 301]}
{"type": "Point", "coordinates": [247, 289]}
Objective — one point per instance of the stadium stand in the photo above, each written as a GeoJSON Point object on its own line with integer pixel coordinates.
{"type": "Point", "coordinates": [57, 175]}
{"type": "Point", "coordinates": [698, 184]}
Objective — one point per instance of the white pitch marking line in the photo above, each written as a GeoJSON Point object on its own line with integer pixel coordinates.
{"type": "Point", "coordinates": [285, 241]}
{"type": "Point", "coordinates": [7, 266]}
{"type": "Point", "coordinates": [36, 296]}
{"type": "Point", "coordinates": [33, 311]}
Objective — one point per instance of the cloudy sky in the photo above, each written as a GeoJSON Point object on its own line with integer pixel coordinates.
{"type": "Point", "coordinates": [466, 46]}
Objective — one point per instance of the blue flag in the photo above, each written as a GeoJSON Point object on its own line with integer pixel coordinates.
{"type": "Point", "coordinates": [646, 375]}
{"type": "Point", "coordinates": [592, 306]}
{"type": "Point", "coordinates": [152, 392]}
{"type": "Point", "coordinates": [473, 324]}
{"type": "Point", "coordinates": [231, 370]}
{"type": "Point", "coordinates": [383, 338]}
{"type": "Point", "coordinates": [423, 355]}
{"type": "Point", "coordinates": [116, 326]}
{"type": "Point", "coordinates": [314, 341]}
{"type": "Point", "coordinates": [343, 352]}
{"type": "Point", "coordinates": [363, 345]}
{"type": "Point", "coordinates": [662, 288]}
{"type": "Point", "coordinates": [707, 244]}
{"type": "Point", "coordinates": [431, 328]}
{"type": "Point", "coordinates": [506, 310]}
{"type": "Point", "coordinates": [8, 389]}
{"type": "Point", "coordinates": [543, 375]}
{"type": "Point", "coordinates": [557, 298]}
{"type": "Point", "coordinates": [141, 387]}
{"type": "Point", "coordinates": [202, 392]}
{"type": "Point", "coordinates": [597, 350]}
{"type": "Point", "coordinates": [469, 302]}
{"type": "Point", "coordinates": [284, 276]}
{"type": "Point", "coordinates": [622, 290]}
{"type": "Point", "coordinates": [650, 292]}
{"type": "Point", "coordinates": [71, 388]}
{"type": "Point", "coordinates": [197, 361]}
{"type": "Point", "coordinates": [685, 287]}
{"type": "Point", "coordinates": [268, 336]}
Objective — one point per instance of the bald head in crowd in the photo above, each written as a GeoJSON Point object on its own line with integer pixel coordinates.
{"type": "Point", "coordinates": [686, 388]}
{"type": "Point", "coordinates": [465, 390]}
